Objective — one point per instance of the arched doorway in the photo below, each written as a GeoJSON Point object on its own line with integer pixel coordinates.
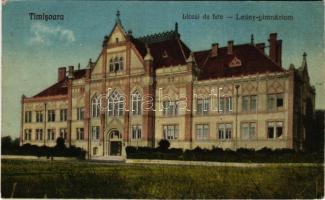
{"type": "Point", "coordinates": [114, 143]}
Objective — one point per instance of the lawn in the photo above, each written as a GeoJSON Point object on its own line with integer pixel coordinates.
{"type": "Point", "coordinates": [58, 179]}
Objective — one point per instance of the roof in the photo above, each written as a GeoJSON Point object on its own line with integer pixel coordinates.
{"type": "Point", "coordinates": [166, 48]}
{"type": "Point", "coordinates": [252, 60]}
{"type": "Point", "coordinates": [60, 87]}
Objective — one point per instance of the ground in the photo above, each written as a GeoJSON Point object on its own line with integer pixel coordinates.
{"type": "Point", "coordinates": [81, 179]}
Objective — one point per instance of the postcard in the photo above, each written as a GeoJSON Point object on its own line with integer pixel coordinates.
{"type": "Point", "coordinates": [162, 99]}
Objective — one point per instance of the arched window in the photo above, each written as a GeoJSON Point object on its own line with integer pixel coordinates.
{"type": "Point", "coordinates": [95, 107]}
{"type": "Point", "coordinates": [121, 63]}
{"type": "Point", "coordinates": [116, 64]}
{"type": "Point", "coordinates": [136, 103]}
{"type": "Point", "coordinates": [111, 65]}
{"type": "Point", "coordinates": [115, 104]}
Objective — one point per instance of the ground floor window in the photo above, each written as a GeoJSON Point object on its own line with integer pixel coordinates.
{"type": "Point", "coordinates": [248, 130]}
{"type": "Point", "coordinates": [95, 132]}
{"type": "Point", "coordinates": [274, 130]}
{"type": "Point", "coordinates": [170, 132]}
{"type": "Point", "coordinates": [80, 133]}
{"type": "Point", "coordinates": [28, 134]}
{"type": "Point", "coordinates": [224, 131]}
{"type": "Point", "coordinates": [39, 134]}
{"type": "Point", "coordinates": [95, 151]}
{"type": "Point", "coordinates": [63, 133]}
{"type": "Point", "coordinates": [202, 131]}
{"type": "Point", "coordinates": [50, 134]}
{"type": "Point", "coordinates": [136, 132]}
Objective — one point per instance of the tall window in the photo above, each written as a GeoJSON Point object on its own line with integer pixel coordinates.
{"type": "Point", "coordinates": [136, 132]}
{"type": "Point", "coordinates": [116, 64]}
{"type": "Point", "coordinates": [274, 130]}
{"type": "Point", "coordinates": [28, 116]}
{"type": "Point", "coordinates": [80, 113]}
{"type": "Point", "coordinates": [63, 115]}
{"type": "Point", "coordinates": [170, 108]}
{"type": "Point", "coordinates": [248, 130]}
{"type": "Point", "coordinates": [115, 104]}
{"type": "Point", "coordinates": [225, 104]}
{"type": "Point", "coordinates": [136, 103]}
{"type": "Point", "coordinates": [203, 106]}
{"type": "Point", "coordinates": [50, 134]}
{"type": "Point", "coordinates": [249, 103]}
{"type": "Point", "coordinates": [39, 116]}
{"type": "Point", "coordinates": [80, 133]}
{"type": "Point", "coordinates": [51, 115]}
{"type": "Point", "coordinates": [202, 131]}
{"type": "Point", "coordinates": [63, 133]}
{"type": "Point", "coordinates": [275, 102]}
{"type": "Point", "coordinates": [95, 107]}
{"type": "Point", "coordinates": [224, 131]}
{"type": "Point", "coordinates": [28, 134]}
{"type": "Point", "coordinates": [95, 132]}
{"type": "Point", "coordinates": [39, 134]}
{"type": "Point", "coordinates": [170, 132]}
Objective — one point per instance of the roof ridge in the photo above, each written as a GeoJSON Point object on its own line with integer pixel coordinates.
{"type": "Point", "coordinates": [158, 37]}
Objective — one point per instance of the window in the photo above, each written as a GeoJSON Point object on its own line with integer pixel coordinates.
{"type": "Point", "coordinates": [116, 40]}
{"type": "Point", "coordinates": [224, 131]}
{"type": "Point", "coordinates": [95, 150]}
{"type": "Point", "coordinates": [95, 107]}
{"type": "Point", "coordinates": [28, 116]}
{"type": "Point", "coordinates": [116, 64]}
{"type": "Point", "coordinates": [80, 113]}
{"type": "Point", "coordinates": [170, 108]}
{"type": "Point", "coordinates": [203, 106]}
{"type": "Point", "coordinates": [136, 132]}
{"type": "Point", "coordinates": [39, 116]}
{"type": "Point", "coordinates": [115, 104]}
{"type": "Point", "coordinates": [275, 102]}
{"type": "Point", "coordinates": [202, 131]}
{"type": "Point", "coordinates": [274, 130]}
{"type": "Point", "coordinates": [28, 134]}
{"type": "Point", "coordinates": [50, 134]}
{"type": "Point", "coordinates": [51, 115]}
{"type": "Point", "coordinates": [248, 130]}
{"type": "Point", "coordinates": [170, 132]}
{"type": "Point", "coordinates": [136, 103]}
{"type": "Point", "coordinates": [249, 103]}
{"type": "Point", "coordinates": [80, 133]}
{"type": "Point", "coordinates": [63, 115]}
{"type": "Point", "coordinates": [63, 133]}
{"type": "Point", "coordinates": [39, 134]}
{"type": "Point", "coordinates": [95, 132]}
{"type": "Point", "coordinates": [225, 104]}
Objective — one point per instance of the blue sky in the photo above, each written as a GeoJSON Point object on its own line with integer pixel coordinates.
{"type": "Point", "coordinates": [33, 49]}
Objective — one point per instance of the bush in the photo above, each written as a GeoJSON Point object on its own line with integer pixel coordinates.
{"type": "Point", "coordinates": [163, 145]}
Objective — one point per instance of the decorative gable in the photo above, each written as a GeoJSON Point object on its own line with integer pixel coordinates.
{"type": "Point", "coordinates": [235, 62]}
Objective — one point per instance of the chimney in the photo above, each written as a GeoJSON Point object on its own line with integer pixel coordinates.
{"type": "Point", "coordinates": [261, 47]}
{"type": "Point", "coordinates": [230, 47]}
{"type": "Point", "coordinates": [275, 50]}
{"type": "Point", "coordinates": [70, 73]}
{"type": "Point", "coordinates": [61, 73]}
{"type": "Point", "coordinates": [214, 49]}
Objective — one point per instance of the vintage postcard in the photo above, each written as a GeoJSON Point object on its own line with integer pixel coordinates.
{"type": "Point", "coordinates": [162, 99]}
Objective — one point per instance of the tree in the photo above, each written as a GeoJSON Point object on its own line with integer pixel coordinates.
{"type": "Point", "coordinates": [163, 145]}
{"type": "Point", "coordinates": [60, 143]}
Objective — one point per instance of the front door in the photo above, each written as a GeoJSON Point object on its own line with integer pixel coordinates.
{"type": "Point", "coordinates": [116, 147]}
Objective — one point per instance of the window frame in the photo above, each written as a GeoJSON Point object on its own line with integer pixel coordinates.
{"type": "Point", "coordinates": [170, 136]}
{"type": "Point", "coordinates": [202, 134]}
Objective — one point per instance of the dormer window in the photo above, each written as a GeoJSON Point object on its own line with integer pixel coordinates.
{"type": "Point", "coordinates": [235, 62]}
{"type": "Point", "coordinates": [116, 64]}
{"type": "Point", "coordinates": [164, 55]}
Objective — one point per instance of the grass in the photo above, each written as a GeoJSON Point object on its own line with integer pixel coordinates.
{"type": "Point", "coordinates": [58, 179]}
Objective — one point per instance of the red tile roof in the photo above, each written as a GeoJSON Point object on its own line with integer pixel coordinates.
{"type": "Point", "coordinates": [252, 59]}
{"type": "Point", "coordinates": [60, 88]}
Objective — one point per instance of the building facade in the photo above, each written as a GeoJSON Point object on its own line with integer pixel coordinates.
{"type": "Point", "coordinates": [143, 89]}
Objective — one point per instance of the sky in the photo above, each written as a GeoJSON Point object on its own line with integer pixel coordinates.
{"type": "Point", "coordinates": [32, 50]}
